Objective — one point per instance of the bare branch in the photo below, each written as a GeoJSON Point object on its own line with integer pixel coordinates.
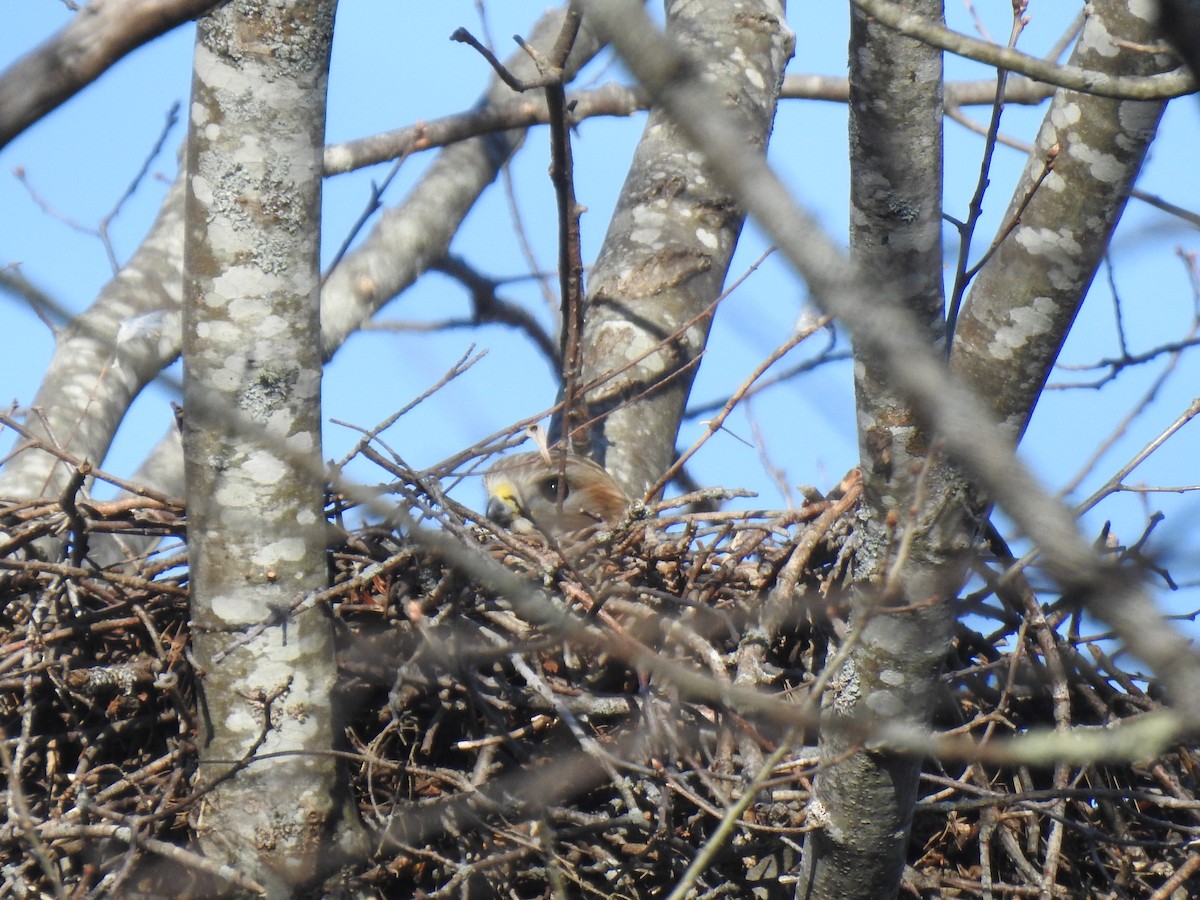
{"type": "Point", "coordinates": [1088, 81]}
{"type": "Point", "coordinates": [99, 35]}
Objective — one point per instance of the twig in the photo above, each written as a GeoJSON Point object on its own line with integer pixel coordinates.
{"type": "Point", "coordinates": [715, 423]}
{"type": "Point", "coordinates": [966, 230]}
{"type": "Point", "coordinates": [374, 202]}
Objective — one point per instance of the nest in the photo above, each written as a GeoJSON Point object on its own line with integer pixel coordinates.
{"type": "Point", "coordinates": [584, 728]}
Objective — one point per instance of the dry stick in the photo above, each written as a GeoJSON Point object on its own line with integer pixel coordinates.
{"type": "Point", "coordinates": [1116, 364]}
{"type": "Point", "coordinates": [775, 472]}
{"type": "Point", "coordinates": [59, 831]}
{"type": "Point", "coordinates": [616, 100]}
{"type": "Point", "coordinates": [634, 652]}
{"type": "Point", "coordinates": [1113, 484]}
{"type": "Point", "coordinates": [889, 335]}
{"type": "Point", "coordinates": [985, 796]}
{"type": "Point", "coordinates": [465, 362]}
{"type": "Point", "coordinates": [77, 527]}
{"type": "Point", "coordinates": [570, 254]}
{"type": "Point", "coordinates": [486, 305]}
{"type": "Point", "coordinates": [638, 654]}
{"type": "Point", "coordinates": [1190, 866]}
{"type": "Point", "coordinates": [521, 233]}
{"type": "Point", "coordinates": [522, 112]}
{"type": "Point", "coordinates": [1014, 220]}
{"type": "Point", "coordinates": [829, 355]}
{"type": "Point", "coordinates": [485, 446]}
{"type": "Point", "coordinates": [1061, 696]}
{"type": "Point", "coordinates": [65, 571]}
{"type": "Point", "coordinates": [587, 744]}
{"type": "Point", "coordinates": [570, 259]}
{"type": "Point", "coordinates": [514, 208]}
{"type": "Point", "coordinates": [374, 203]}
{"type": "Point", "coordinates": [100, 229]}
{"type": "Point", "coordinates": [22, 819]}
{"type": "Point", "coordinates": [1118, 312]}
{"type": "Point", "coordinates": [526, 599]}
{"type": "Point", "coordinates": [559, 53]}
{"type": "Point", "coordinates": [31, 441]}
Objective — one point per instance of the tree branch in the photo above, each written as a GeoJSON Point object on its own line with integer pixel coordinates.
{"type": "Point", "coordinates": [99, 35]}
{"type": "Point", "coordinates": [1175, 83]}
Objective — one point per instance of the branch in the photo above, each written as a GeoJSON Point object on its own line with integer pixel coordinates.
{"type": "Point", "coordinates": [1087, 81]}
{"type": "Point", "coordinates": [1025, 298]}
{"type": "Point", "coordinates": [99, 35]}
{"type": "Point", "coordinates": [614, 100]}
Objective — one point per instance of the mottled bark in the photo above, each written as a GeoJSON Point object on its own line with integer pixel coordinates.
{"type": "Point", "coordinates": [864, 801]}
{"type": "Point", "coordinates": [1025, 299]}
{"type": "Point", "coordinates": [1021, 308]}
{"type": "Point", "coordinates": [252, 441]}
{"type": "Point", "coordinates": [669, 243]}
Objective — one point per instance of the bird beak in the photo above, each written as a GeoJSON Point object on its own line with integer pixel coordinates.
{"type": "Point", "coordinates": [502, 510]}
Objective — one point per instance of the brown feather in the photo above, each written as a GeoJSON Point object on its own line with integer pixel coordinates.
{"type": "Point", "coordinates": [523, 494]}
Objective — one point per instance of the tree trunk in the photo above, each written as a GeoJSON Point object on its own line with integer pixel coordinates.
{"type": "Point", "coordinates": [1020, 309]}
{"type": "Point", "coordinates": [103, 359]}
{"type": "Point", "coordinates": [252, 394]}
{"type": "Point", "coordinates": [901, 621]}
{"type": "Point", "coordinates": [667, 250]}
{"type": "Point", "coordinates": [95, 375]}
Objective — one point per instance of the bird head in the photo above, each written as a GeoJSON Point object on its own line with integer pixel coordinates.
{"type": "Point", "coordinates": [524, 490]}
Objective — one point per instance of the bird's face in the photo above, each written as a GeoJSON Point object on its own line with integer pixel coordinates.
{"type": "Point", "coordinates": [523, 494]}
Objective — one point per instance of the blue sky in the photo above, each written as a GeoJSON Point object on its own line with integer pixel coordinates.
{"type": "Point", "coordinates": [394, 64]}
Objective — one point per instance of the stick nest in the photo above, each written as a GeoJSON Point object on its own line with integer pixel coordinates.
{"type": "Point", "coordinates": [581, 725]}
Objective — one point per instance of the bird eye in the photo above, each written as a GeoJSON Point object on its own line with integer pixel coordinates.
{"type": "Point", "coordinates": [550, 489]}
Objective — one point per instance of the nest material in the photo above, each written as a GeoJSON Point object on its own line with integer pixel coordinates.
{"type": "Point", "coordinates": [584, 734]}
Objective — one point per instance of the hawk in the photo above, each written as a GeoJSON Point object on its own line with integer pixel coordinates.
{"type": "Point", "coordinates": [523, 494]}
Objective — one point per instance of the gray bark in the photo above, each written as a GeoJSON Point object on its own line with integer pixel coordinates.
{"type": "Point", "coordinates": [252, 442]}
{"type": "Point", "coordinates": [954, 415]}
{"type": "Point", "coordinates": [1021, 308]}
{"type": "Point", "coordinates": [1024, 300]}
{"type": "Point", "coordinates": [410, 237]}
{"type": "Point", "coordinates": [888, 676]}
{"type": "Point", "coordinates": [669, 243]}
